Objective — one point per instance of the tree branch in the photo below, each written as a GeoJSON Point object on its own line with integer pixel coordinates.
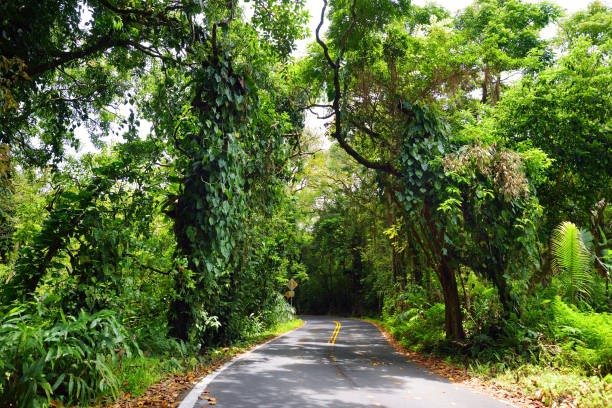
{"type": "Point", "coordinates": [321, 43]}
{"type": "Point", "coordinates": [151, 268]}
{"type": "Point", "coordinates": [100, 45]}
{"type": "Point", "coordinates": [335, 66]}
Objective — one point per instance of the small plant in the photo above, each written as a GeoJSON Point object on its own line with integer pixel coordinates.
{"type": "Point", "coordinates": [571, 259]}
{"type": "Point", "coordinates": [419, 330]}
{"type": "Point", "coordinates": [70, 360]}
{"type": "Point", "coordinates": [585, 337]}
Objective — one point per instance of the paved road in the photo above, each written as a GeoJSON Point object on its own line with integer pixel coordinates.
{"type": "Point", "coordinates": [306, 369]}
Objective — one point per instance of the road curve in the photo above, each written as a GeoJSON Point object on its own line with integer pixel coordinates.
{"type": "Point", "coordinates": [335, 363]}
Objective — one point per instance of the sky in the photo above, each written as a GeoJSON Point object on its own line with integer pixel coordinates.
{"type": "Point", "coordinates": [314, 8]}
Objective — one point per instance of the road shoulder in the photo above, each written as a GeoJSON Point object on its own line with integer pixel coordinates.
{"type": "Point", "coordinates": [191, 398]}
{"type": "Point", "coordinates": [458, 374]}
{"type": "Point", "coordinates": [175, 388]}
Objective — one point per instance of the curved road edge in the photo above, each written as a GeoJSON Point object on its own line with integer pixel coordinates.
{"type": "Point", "coordinates": [458, 376]}
{"type": "Point", "coordinates": [192, 397]}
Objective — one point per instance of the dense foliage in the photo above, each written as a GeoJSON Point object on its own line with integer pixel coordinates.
{"type": "Point", "coordinates": [464, 197]}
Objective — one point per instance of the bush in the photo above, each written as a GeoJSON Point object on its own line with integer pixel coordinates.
{"type": "Point", "coordinates": [154, 340]}
{"type": "Point", "coordinates": [279, 312]}
{"type": "Point", "coordinates": [70, 360]}
{"type": "Point", "coordinates": [484, 308]}
{"type": "Point", "coordinates": [508, 341]}
{"type": "Point", "coordinates": [419, 330]}
{"type": "Point", "coordinates": [585, 337]}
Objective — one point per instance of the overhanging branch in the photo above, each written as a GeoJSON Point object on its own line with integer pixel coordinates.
{"type": "Point", "coordinates": [338, 133]}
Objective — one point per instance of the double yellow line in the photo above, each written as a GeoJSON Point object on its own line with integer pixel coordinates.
{"type": "Point", "coordinates": [334, 335]}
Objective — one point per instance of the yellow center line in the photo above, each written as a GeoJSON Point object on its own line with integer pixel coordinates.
{"type": "Point", "coordinates": [337, 332]}
{"type": "Point", "coordinates": [334, 335]}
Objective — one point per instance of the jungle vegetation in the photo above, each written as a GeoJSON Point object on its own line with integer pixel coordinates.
{"type": "Point", "coordinates": [461, 194]}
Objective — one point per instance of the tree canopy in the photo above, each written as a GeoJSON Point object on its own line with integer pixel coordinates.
{"type": "Point", "coordinates": [461, 191]}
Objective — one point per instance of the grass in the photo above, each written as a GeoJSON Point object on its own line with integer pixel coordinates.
{"type": "Point", "coordinates": [552, 386]}
{"type": "Point", "coordinates": [272, 332]}
{"type": "Point", "coordinates": [138, 373]}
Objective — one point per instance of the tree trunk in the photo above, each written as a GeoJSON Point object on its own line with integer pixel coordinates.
{"type": "Point", "coordinates": [545, 272]}
{"type": "Point", "coordinates": [180, 318]}
{"type": "Point", "coordinates": [398, 265]}
{"type": "Point", "coordinates": [415, 268]}
{"type": "Point", "coordinates": [452, 311]}
{"type": "Point", "coordinates": [485, 84]}
{"type": "Point", "coordinates": [356, 273]}
{"type": "Point", "coordinates": [417, 274]}
{"type": "Point", "coordinates": [504, 294]}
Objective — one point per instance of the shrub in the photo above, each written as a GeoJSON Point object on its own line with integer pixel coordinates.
{"type": "Point", "coordinates": [70, 360]}
{"type": "Point", "coordinates": [585, 337]}
{"type": "Point", "coordinates": [419, 329]}
{"type": "Point", "coordinates": [508, 341]}
{"type": "Point", "coordinates": [279, 312]}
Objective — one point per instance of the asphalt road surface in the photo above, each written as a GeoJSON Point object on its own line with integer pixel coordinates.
{"type": "Point", "coordinates": [334, 363]}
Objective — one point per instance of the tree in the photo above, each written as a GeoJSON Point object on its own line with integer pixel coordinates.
{"type": "Point", "coordinates": [564, 111]}
{"type": "Point", "coordinates": [228, 145]}
{"type": "Point", "coordinates": [595, 23]}
{"type": "Point", "coordinates": [505, 35]}
{"type": "Point", "coordinates": [66, 63]}
{"type": "Point", "coordinates": [389, 119]}
{"type": "Point", "coordinates": [492, 212]}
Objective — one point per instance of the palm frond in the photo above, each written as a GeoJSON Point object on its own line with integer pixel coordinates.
{"type": "Point", "coordinates": [571, 259]}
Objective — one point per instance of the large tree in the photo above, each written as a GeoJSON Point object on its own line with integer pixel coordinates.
{"type": "Point", "coordinates": [195, 69]}
{"type": "Point", "coordinates": [387, 89]}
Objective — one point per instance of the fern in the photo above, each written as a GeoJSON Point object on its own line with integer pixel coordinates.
{"type": "Point", "coordinates": [571, 259]}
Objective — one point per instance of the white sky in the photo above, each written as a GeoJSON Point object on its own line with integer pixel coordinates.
{"type": "Point", "coordinates": [314, 8]}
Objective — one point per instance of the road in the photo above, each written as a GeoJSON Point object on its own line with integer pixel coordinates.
{"type": "Point", "coordinates": [335, 363]}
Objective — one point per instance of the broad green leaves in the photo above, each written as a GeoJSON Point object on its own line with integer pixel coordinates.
{"type": "Point", "coordinates": [564, 111]}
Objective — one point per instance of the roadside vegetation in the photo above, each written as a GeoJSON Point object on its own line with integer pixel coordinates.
{"type": "Point", "coordinates": [463, 199]}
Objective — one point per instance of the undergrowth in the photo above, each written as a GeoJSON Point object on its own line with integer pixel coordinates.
{"type": "Point", "coordinates": [92, 358]}
{"type": "Point", "coordinates": [71, 359]}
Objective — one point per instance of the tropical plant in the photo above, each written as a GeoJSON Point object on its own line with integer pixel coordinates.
{"type": "Point", "coordinates": [70, 360]}
{"type": "Point", "coordinates": [571, 259]}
